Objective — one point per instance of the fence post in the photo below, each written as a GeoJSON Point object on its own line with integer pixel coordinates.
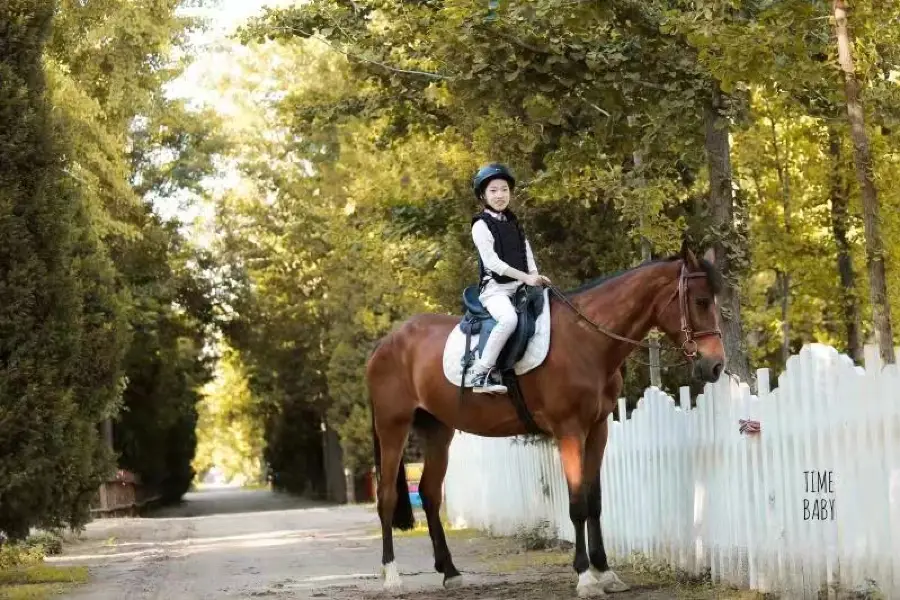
{"type": "Point", "coordinates": [762, 382]}
{"type": "Point", "coordinates": [871, 358]}
{"type": "Point", "coordinates": [104, 497]}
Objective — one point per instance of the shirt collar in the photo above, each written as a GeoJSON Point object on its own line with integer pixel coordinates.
{"type": "Point", "coordinates": [496, 215]}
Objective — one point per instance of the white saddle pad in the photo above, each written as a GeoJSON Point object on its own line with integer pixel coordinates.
{"type": "Point", "coordinates": [535, 351]}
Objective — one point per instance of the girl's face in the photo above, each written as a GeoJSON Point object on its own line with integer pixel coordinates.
{"type": "Point", "coordinates": [497, 194]}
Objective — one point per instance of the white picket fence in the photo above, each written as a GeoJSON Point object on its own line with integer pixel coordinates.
{"type": "Point", "coordinates": [685, 486]}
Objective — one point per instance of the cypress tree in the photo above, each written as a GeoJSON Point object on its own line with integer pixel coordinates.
{"type": "Point", "coordinates": [60, 347]}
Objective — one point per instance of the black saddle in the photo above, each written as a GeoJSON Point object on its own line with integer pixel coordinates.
{"type": "Point", "coordinates": [528, 302]}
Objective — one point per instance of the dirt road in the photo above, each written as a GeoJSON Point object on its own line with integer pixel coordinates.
{"type": "Point", "coordinates": [258, 544]}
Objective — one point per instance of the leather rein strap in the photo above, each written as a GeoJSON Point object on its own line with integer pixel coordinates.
{"type": "Point", "coordinates": [688, 347]}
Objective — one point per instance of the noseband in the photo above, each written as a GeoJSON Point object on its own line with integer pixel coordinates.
{"type": "Point", "coordinates": [689, 346]}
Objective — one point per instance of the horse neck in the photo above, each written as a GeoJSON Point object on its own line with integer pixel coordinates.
{"type": "Point", "coordinates": [628, 305]}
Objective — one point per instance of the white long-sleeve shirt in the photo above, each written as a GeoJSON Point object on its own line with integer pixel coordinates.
{"type": "Point", "coordinates": [484, 242]}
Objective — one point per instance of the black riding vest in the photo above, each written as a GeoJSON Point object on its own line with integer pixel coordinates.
{"type": "Point", "coordinates": [509, 244]}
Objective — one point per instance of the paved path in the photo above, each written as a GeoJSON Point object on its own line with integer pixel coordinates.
{"type": "Point", "coordinates": [227, 544]}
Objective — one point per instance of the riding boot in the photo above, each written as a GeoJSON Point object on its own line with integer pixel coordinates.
{"type": "Point", "coordinates": [487, 382]}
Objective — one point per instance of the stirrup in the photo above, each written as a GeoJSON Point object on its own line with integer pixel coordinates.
{"type": "Point", "coordinates": [484, 383]}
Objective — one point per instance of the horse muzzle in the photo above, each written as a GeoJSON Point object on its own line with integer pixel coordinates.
{"type": "Point", "coordinates": [709, 368]}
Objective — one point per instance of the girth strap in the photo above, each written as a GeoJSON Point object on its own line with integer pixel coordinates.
{"type": "Point", "coordinates": [518, 402]}
{"type": "Point", "coordinates": [466, 358]}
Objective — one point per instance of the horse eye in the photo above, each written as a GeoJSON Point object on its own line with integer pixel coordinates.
{"type": "Point", "coordinates": [703, 302]}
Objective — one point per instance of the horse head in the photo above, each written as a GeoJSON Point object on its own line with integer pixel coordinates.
{"type": "Point", "coordinates": [690, 317]}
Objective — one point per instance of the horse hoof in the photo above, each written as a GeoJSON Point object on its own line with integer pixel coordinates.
{"type": "Point", "coordinates": [610, 581]}
{"type": "Point", "coordinates": [452, 583]}
{"type": "Point", "coordinates": [589, 586]}
{"type": "Point", "coordinates": [392, 581]}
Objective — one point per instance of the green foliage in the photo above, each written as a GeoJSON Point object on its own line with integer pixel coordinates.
{"type": "Point", "coordinates": [355, 129]}
{"type": "Point", "coordinates": [18, 555]}
{"type": "Point", "coordinates": [166, 365]}
{"type": "Point", "coordinates": [105, 307]}
{"type": "Point", "coordinates": [132, 147]}
{"type": "Point", "coordinates": [28, 579]}
{"type": "Point", "coordinates": [393, 104]}
{"type": "Point", "coordinates": [59, 352]}
{"type": "Point", "coordinates": [230, 425]}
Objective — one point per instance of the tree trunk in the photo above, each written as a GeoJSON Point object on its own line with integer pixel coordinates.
{"type": "Point", "coordinates": [721, 205]}
{"type": "Point", "coordinates": [862, 159]}
{"type": "Point", "coordinates": [783, 283]}
{"type": "Point", "coordinates": [784, 276]}
{"type": "Point", "coordinates": [840, 215]}
{"type": "Point", "coordinates": [646, 255]}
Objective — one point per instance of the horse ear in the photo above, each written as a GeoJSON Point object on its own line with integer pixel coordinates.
{"type": "Point", "coordinates": [688, 256]}
{"type": "Point", "coordinates": [710, 255]}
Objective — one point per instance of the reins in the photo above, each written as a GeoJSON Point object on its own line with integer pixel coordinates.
{"type": "Point", "coordinates": [690, 335]}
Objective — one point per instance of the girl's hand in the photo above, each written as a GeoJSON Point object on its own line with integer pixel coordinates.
{"type": "Point", "coordinates": [536, 280]}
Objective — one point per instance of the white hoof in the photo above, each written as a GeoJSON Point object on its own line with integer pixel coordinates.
{"type": "Point", "coordinates": [452, 583]}
{"type": "Point", "coordinates": [392, 581]}
{"type": "Point", "coordinates": [589, 586]}
{"type": "Point", "coordinates": [609, 581]}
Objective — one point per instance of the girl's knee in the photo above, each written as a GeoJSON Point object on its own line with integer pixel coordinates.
{"type": "Point", "coordinates": [508, 319]}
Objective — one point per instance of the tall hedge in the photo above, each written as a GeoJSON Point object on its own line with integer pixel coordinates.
{"type": "Point", "coordinates": [59, 346]}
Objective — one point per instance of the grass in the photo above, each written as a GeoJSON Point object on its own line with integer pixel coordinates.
{"type": "Point", "coordinates": [24, 576]}
{"type": "Point", "coordinates": [37, 582]}
{"type": "Point", "coordinates": [535, 550]}
{"type": "Point", "coordinates": [638, 570]}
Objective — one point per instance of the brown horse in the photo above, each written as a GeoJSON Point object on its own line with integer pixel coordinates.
{"type": "Point", "coordinates": [570, 396]}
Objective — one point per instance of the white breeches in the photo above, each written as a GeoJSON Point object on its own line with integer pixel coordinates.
{"type": "Point", "coordinates": [501, 308]}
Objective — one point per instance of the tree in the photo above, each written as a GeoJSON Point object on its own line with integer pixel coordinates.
{"type": "Point", "coordinates": [862, 159]}
{"type": "Point", "coordinates": [59, 346]}
{"type": "Point", "coordinates": [132, 150]}
{"type": "Point", "coordinates": [374, 115]}
{"type": "Point", "coordinates": [728, 246]}
{"type": "Point", "coordinates": [840, 225]}
{"type": "Point", "coordinates": [230, 425]}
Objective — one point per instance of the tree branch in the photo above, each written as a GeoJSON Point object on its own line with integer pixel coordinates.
{"type": "Point", "coordinates": [363, 58]}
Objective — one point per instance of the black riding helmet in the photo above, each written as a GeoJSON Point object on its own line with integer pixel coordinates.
{"type": "Point", "coordinates": [488, 172]}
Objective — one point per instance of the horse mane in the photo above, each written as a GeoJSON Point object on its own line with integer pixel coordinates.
{"type": "Point", "coordinates": [714, 276]}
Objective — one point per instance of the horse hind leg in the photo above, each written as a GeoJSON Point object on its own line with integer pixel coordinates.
{"type": "Point", "coordinates": [394, 506]}
{"type": "Point", "coordinates": [437, 448]}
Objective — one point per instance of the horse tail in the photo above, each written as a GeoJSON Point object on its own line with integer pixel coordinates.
{"type": "Point", "coordinates": [403, 518]}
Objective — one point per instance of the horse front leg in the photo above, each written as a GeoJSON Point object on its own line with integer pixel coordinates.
{"type": "Point", "coordinates": [571, 451]}
{"type": "Point", "coordinates": [594, 449]}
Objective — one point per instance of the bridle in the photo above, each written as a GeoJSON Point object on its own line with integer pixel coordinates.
{"type": "Point", "coordinates": [691, 336]}
{"type": "Point", "coordinates": [689, 345]}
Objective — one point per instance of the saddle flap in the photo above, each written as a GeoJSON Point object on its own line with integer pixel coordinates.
{"type": "Point", "coordinates": [470, 326]}
{"type": "Point", "coordinates": [534, 301]}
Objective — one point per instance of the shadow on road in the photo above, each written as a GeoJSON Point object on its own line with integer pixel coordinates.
{"type": "Point", "coordinates": [223, 501]}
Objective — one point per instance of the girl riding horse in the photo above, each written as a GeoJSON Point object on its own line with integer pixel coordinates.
{"type": "Point", "coordinates": [505, 263]}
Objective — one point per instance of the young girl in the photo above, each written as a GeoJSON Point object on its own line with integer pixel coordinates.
{"type": "Point", "coordinates": [505, 263]}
